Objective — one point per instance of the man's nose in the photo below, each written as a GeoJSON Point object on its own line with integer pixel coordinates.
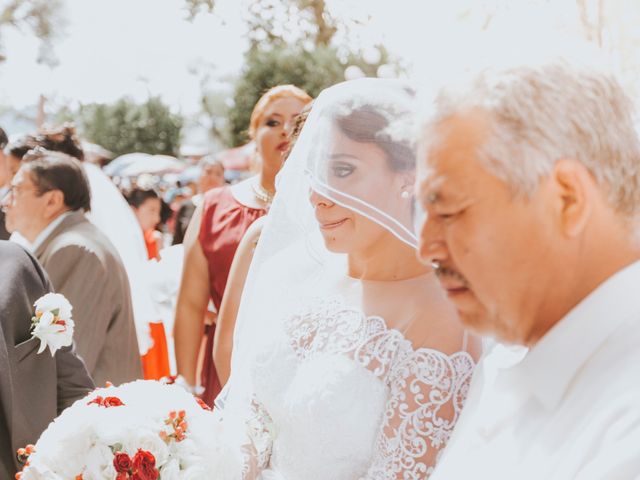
{"type": "Point", "coordinates": [5, 200]}
{"type": "Point", "coordinates": [432, 246]}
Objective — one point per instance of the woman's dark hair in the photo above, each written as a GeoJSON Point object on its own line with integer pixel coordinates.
{"type": "Point", "coordinates": [165, 212]}
{"type": "Point", "coordinates": [18, 148]}
{"type": "Point", "coordinates": [367, 125]}
{"type": "Point", "coordinates": [58, 171]}
{"type": "Point", "coordinates": [61, 139]}
{"type": "Point", "coordinates": [138, 196]}
{"type": "Point", "coordinates": [3, 138]}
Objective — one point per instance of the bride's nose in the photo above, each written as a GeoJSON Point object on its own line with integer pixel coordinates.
{"type": "Point", "coordinates": [318, 200]}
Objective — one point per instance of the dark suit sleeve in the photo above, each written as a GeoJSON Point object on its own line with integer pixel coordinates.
{"type": "Point", "coordinates": [78, 274]}
{"type": "Point", "coordinates": [74, 381]}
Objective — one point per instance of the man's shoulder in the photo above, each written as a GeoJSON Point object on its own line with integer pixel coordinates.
{"type": "Point", "coordinates": [82, 236]}
{"type": "Point", "coordinates": [614, 363]}
{"type": "Point", "coordinates": [16, 262]}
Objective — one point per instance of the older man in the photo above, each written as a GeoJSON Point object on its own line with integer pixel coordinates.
{"type": "Point", "coordinates": [530, 179]}
{"type": "Point", "coordinates": [46, 204]}
{"type": "Point", "coordinates": [4, 181]}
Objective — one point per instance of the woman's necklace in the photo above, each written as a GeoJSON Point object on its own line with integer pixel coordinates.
{"type": "Point", "coordinates": [262, 194]}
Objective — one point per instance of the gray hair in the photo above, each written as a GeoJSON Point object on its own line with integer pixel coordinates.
{"type": "Point", "coordinates": [541, 114]}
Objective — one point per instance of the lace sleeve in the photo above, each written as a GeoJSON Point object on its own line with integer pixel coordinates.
{"type": "Point", "coordinates": [257, 452]}
{"type": "Point", "coordinates": [427, 390]}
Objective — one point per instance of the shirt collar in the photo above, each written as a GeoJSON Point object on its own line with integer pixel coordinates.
{"type": "Point", "coordinates": [44, 234]}
{"type": "Point", "coordinates": [549, 367]}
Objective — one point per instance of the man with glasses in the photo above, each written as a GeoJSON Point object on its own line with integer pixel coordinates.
{"type": "Point", "coordinates": [46, 203]}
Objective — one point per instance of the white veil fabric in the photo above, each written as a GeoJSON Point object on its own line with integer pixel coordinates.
{"type": "Point", "coordinates": [336, 371]}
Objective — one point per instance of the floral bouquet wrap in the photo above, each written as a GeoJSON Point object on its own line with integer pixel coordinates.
{"type": "Point", "coordinates": [144, 430]}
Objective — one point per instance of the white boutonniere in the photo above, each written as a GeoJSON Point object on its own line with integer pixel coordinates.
{"type": "Point", "coordinates": [52, 323]}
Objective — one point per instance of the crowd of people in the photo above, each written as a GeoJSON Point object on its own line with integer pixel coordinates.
{"type": "Point", "coordinates": [397, 292]}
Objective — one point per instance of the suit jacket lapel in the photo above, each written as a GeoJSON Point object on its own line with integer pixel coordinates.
{"type": "Point", "coordinates": [73, 218]}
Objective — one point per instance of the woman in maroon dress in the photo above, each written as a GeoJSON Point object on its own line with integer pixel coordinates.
{"type": "Point", "coordinates": [217, 227]}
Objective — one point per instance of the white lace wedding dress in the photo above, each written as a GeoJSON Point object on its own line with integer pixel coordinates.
{"type": "Point", "coordinates": [341, 396]}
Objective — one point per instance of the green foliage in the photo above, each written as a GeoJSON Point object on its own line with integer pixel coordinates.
{"type": "Point", "coordinates": [279, 23]}
{"type": "Point", "coordinates": [311, 70]}
{"type": "Point", "coordinates": [194, 7]}
{"type": "Point", "coordinates": [41, 18]}
{"type": "Point", "coordinates": [125, 126]}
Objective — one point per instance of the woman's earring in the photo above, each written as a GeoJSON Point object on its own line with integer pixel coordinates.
{"type": "Point", "coordinates": [405, 194]}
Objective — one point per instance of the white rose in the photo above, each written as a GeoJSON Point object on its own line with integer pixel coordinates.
{"type": "Point", "coordinates": [52, 301]}
{"type": "Point", "coordinates": [171, 470]}
{"type": "Point", "coordinates": [50, 334]}
{"type": "Point", "coordinates": [150, 441]}
{"type": "Point", "coordinates": [97, 460]}
{"type": "Point", "coordinates": [195, 472]}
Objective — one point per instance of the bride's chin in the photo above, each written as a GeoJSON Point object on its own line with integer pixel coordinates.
{"type": "Point", "coordinates": [334, 245]}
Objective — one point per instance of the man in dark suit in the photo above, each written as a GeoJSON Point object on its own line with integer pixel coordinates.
{"type": "Point", "coordinates": [46, 205]}
{"type": "Point", "coordinates": [34, 388]}
{"type": "Point", "coordinates": [4, 181]}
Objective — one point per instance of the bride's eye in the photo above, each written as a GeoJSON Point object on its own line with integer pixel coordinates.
{"type": "Point", "coordinates": [342, 170]}
{"type": "Point", "coordinates": [272, 122]}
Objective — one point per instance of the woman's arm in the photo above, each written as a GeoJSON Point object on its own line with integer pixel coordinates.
{"type": "Point", "coordinates": [223, 341]}
{"type": "Point", "coordinates": [193, 299]}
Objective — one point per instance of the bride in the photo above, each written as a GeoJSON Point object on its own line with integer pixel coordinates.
{"type": "Point", "coordinates": [348, 360]}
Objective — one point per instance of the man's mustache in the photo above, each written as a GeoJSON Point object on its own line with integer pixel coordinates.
{"type": "Point", "coordinates": [445, 271]}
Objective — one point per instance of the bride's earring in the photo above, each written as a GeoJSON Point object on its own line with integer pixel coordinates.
{"type": "Point", "coordinates": [405, 193]}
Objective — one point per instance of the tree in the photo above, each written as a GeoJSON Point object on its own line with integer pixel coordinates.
{"type": "Point", "coordinates": [292, 42]}
{"type": "Point", "coordinates": [39, 17]}
{"type": "Point", "coordinates": [311, 70]}
{"type": "Point", "coordinates": [126, 127]}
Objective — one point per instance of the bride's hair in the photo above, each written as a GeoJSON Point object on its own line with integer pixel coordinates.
{"type": "Point", "coordinates": [367, 125]}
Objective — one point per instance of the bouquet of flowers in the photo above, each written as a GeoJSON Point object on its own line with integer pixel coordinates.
{"type": "Point", "coordinates": [143, 430]}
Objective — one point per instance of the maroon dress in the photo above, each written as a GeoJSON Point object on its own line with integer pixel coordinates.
{"type": "Point", "coordinates": [224, 223]}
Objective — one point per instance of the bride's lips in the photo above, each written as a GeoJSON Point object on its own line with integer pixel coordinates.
{"type": "Point", "coordinates": [282, 147]}
{"type": "Point", "coordinates": [326, 225]}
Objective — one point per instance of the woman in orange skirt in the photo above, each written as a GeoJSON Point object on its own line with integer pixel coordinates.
{"type": "Point", "coordinates": [146, 205]}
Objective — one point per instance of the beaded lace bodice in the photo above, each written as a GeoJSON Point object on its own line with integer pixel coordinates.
{"type": "Point", "coordinates": [345, 397]}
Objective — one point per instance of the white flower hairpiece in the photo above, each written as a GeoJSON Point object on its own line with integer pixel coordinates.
{"type": "Point", "coordinates": [52, 323]}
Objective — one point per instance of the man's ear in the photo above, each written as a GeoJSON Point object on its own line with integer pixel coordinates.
{"type": "Point", "coordinates": [575, 188]}
{"type": "Point", "coordinates": [54, 204]}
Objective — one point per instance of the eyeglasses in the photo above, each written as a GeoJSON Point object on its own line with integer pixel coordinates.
{"type": "Point", "coordinates": [13, 190]}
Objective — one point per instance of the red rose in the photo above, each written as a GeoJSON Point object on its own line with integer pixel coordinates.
{"type": "Point", "coordinates": [98, 400]}
{"type": "Point", "coordinates": [112, 402]}
{"type": "Point", "coordinates": [144, 465]}
{"type": "Point", "coordinates": [122, 462]}
{"type": "Point", "coordinates": [122, 476]}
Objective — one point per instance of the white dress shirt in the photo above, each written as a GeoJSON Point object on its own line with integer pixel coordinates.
{"type": "Point", "coordinates": [570, 409]}
{"type": "Point", "coordinates": [42, 236]}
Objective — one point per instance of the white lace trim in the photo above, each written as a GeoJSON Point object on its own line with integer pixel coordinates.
{"type": "Point", "coordinates": [427, 388]}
